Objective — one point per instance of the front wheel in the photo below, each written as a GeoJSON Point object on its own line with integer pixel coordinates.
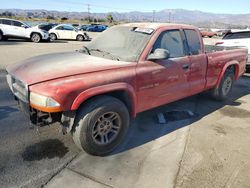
{"type": "Point", "coordinates": [222, 91]}
{"type": "Point", "coordinates": [35, 37]}
{"type": "Point", "coordinates": [52, 37]}
{"type": "Point", "coordinates": [80, 38]}
{"type": "Point", "coordinates": [100, 125]}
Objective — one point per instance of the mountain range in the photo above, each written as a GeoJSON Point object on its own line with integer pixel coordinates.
{"type": "Point", "coordinates": [167, 15]}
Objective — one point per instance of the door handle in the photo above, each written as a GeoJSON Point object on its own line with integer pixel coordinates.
{"type": "Point", "coordinates": [185, 66]}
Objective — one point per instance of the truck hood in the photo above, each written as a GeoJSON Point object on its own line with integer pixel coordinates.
{"type": "Point", "coordinates": [52, 66]}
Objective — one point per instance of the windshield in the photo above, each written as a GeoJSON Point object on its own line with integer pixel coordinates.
{"type": "Point", "coordinates": [120, 43]}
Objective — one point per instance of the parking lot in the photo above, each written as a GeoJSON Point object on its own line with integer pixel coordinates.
{"type": "Point", "coordinates": [208, 149]}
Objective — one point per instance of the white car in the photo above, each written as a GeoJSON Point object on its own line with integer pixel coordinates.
{"type": "Point", "coordinates": [238, 38]}
{"type": "Point", "coordinates": [10, 28]}
{"type": "Point", "coordinates": [65, 31]}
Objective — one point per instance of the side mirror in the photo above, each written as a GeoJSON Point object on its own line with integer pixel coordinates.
{"type": "Point", "coordinates": [159, 54]}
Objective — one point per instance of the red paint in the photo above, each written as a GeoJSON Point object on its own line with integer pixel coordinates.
{"type": "Point", "coordinates": [73, 78]}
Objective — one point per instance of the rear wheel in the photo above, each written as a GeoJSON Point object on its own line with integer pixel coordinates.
{"type": "Point", "coordinates": [35, 37]}
{"type": "Point", "coordinates": [80, 38]}
{"type": "Point", "coordinates": [222, 91]}
{"type": "Point", "coordinates": [100, 125]}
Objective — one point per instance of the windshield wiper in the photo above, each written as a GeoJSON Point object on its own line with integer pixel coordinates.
{"type": "Point", "coordinates": [106, 53]}
{"type": "Point", "coordinates": [84, 50]}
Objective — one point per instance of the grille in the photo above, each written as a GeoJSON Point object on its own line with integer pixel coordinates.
{"type": "Point", "coordinates": [18, 88]}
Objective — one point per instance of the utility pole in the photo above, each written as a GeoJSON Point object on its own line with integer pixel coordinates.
{"type": "Point", "coordinates": [88, 12]}
{"type": "Point", "coordinates": [153, 15]}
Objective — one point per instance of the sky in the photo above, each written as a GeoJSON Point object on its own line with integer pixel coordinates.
{"type": "Point", "coordinates": [96, 6]}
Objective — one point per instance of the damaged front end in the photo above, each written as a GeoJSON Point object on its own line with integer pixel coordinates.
{"type": "Point", "coordinates": [37, 116]}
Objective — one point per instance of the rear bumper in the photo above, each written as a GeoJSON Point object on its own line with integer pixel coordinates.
{"type": "Point", "coordinates": [45, 36]}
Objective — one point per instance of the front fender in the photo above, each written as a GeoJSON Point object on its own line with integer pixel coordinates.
{"type": "Point", "coordinates": [99, 90]}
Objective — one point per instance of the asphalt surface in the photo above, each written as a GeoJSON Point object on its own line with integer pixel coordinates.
{"type": "Point", "coordinates": [210, 149]}
{"type": "Point", "coordinates": [28, 158]}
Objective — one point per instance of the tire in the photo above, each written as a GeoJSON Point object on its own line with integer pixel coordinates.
{"type": "Point", "coordinates": [222, 91]}
{"type": "Point", "coordinates": [1, 36]}
{"type": "Point", "coordinates": [35, 37]}
{"type": "Point", "coordinates": [53, 37]}
{"type": "Point", "coordinates": [80, 38]}
{"type": "Point", "coordinates": [93, 122]}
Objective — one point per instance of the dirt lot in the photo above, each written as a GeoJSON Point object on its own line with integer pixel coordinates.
{"type": "Point", "coordinates": [210, 149]}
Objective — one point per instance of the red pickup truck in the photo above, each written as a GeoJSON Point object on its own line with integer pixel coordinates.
{"type": "Point", "coordinates": [126, 70]}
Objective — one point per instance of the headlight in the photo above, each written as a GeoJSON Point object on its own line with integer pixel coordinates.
{"type": "Point", "coordinates": [44, 103]}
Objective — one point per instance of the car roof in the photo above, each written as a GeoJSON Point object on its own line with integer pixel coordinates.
{"type": "Point", "coordinates": [156, 26]}
{"type": "Point", "coordinates": [240, 31]}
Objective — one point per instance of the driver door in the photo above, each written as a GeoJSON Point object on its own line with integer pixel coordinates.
{"type": "Point", "coordinates": [68, 32]}
{"type": "Point", "coordinates": [163, 81]}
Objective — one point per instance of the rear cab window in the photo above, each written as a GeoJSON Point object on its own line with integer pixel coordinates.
{"type": "Point", "coordinates": [171, 40]}
{"type": "Point", "coordinates": [238, 35]}
{"type": "Point", "coordinates": [193, 42]}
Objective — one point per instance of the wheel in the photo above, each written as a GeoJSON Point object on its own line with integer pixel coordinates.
{"type": "Point", "coordinates": [221, 92]}
{"type": "Point", "coordinates": [80, 38]}
{"type": "Point", "coordinates": [100, 125]}
{"type": "Point", "coordinates": [52, 37]}
{"type": "Point", "coordinates": [35, 37]}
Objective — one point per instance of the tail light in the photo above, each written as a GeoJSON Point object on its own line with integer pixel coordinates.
{"type": "Point", "coordinates": [218, 43]}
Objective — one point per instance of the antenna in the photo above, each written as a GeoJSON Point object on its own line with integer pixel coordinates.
{"type": "Point", "coordinates": [153, 15]}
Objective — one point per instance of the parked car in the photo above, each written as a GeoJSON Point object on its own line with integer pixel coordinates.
{"type": "Point", "coordinates": [10, 28]}
{"type": "Point", "coordinates": [84, 27]}
{"type": "Point", "coordinates": [126, 70]}
{"type": "Point", "coordinates": [207, 33]}
{"type": "Point", "coordinates": [46, 26]}
{"type": "Point", "coordinates": [234, 39]}
{"type": "Point", "coordinates": [65, 31]}
{"type": "Point", "coordinates": [96, 28]}
{"type": "Point", "coordinates": [76, 25]}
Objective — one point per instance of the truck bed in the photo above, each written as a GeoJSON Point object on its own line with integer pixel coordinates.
{"type": "Point", "coordinates": [218, 56]}
{"type": "Point", "coordinates": [214, 48]}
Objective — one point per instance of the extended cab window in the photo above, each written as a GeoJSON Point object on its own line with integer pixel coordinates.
{"type": "Point", "coordinates": [239, 35]}
{"type": "Point", "coordinates": [171, 41]}
{"type": "Point", "coordinates": [193, 41]}
{"type": "Point", "coordinates": [6, 22]}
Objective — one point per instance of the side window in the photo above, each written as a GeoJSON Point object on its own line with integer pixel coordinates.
{"type": "Point", "coordinates": [6, 22]}
{"type": "Point", "coordinates": [193, 41]}
{"type": "Point", "coordinates": [68, 28]}
{"type": "Point", "coordinates": [59, 28]}
{"type": "Point", "coordinates": [240, 35]}
{"type": "Point", "coordinates": [17, 24]}
{"type": "Point", "coordinates": [171, 41]}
